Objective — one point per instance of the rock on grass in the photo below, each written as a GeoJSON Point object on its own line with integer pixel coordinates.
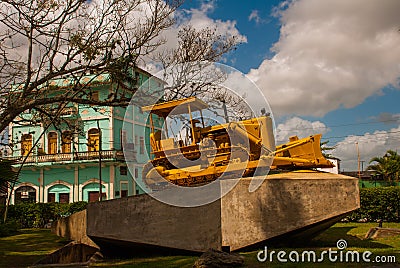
{"type": "Point", "coordinates": [218, 259]}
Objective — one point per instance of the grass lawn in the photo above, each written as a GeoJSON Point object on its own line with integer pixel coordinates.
{"type": "Point", "coordinates": [353, 233]}
{"type": "Point", "coordinates": [150, 262]}
{"type": "Point", "coordinates": [27, 247]}
{"type": "Point", "coordinates": [32, 244]}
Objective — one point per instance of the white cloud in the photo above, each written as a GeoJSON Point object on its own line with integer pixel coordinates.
{"type": "Point", "coordinates": [207, 6]}
{"type": "Point", "coordinates": [199, 19]}
{"type": "Point", "coordinates": [300, 127]}
{"type": "Point", "coordinates": [331, 54]}
{"type": "Point", "coordinates": [255, 16]}
{"type": "Point", "coordinates": [370, 145]}
{"type": "Point", "coordinates": [387, 118]}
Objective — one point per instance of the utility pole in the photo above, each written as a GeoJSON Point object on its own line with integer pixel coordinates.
{"type": "Point", "coordinates": [100, 183]}
{"type": "Point", "coordinates": [358, 161]}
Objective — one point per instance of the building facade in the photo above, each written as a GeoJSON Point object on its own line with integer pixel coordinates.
{"type": "Point", "coordinates": [336, 166]}
{"type": "Point", "coordinates": [65, 164]}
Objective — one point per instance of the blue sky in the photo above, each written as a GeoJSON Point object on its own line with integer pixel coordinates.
{"type": "Point", "coordinates": [334, 68]}
{"type": "Point", "coordinates": [260, 36]}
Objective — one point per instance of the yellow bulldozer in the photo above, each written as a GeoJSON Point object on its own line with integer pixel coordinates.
{"type": "Point", "coordinates": [235, 149]}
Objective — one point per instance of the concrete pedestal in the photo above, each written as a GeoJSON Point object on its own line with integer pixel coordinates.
{"type": "Point", "coordinates": [295, 203]}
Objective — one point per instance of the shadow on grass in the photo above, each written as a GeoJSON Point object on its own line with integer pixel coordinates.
{"type": "Point", "coordinates": [126, 254]}
{"type": "Point", "coordinates": [27, 247]}
{"type": "Point", "coordinates": [330, 237]}
{"type": "Point", "coordinates": [170, 261]}
{"type": "Point", "coordinates": [353, 234]}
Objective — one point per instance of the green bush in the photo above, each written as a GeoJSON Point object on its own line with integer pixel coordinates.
{"type": "Point", "coordinates": [380, 203]}
{"type": "Point", "coordinates": [37, 215]}
{"type": "Point", "coordinates": [77, 206]}
{"type": "Point", "coordinates": [9, 228]}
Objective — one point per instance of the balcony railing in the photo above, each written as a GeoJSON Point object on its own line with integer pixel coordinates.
{"type": "Point", "coordinates": [71, 157]}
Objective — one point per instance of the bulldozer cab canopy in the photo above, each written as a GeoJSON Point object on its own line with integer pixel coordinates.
{"type": "Point", "coordinates": [176, 107]}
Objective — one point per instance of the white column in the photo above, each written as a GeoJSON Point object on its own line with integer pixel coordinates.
{"type": "Point", "coordinates": [41, 187]}
{"type": "Point", "coordinates": [76, 184]}
{"type": "Point", "coordinates": [71, 195]}
{"type": "Point", "coordinates": [112, 147]}
{"type": "Point", "coordinates": [12, 195]}
{"type": "Point", "coordinates": [112, 179]}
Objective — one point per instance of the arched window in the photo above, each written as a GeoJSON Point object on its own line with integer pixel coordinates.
{"type": "Point", "coordinates": [26, 144]}
{"type": "Point", "coordinates": [66, 139]}
{"type": "Point", "coordinates": [93, 140]}
{"type": "Point", "coordinates": [58, 193]}
{"type": "Point", "coordinates": [52, 143]}
{"type": "Point", "coordinates": [25, 194]}
{"type": "Point", "coordinates": [91, 192]}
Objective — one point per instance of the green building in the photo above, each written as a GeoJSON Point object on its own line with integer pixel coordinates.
{"type": "Point", "coordinates": [64, 164]}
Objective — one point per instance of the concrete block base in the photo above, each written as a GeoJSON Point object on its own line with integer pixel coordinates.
{"type": "Point", "coordinates": [298, 204]}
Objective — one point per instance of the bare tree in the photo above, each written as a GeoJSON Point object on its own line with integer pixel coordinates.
{"type": "Point", "coordinates": [190, 69]}
{"type": "Point", "coordinates": [48, 43]}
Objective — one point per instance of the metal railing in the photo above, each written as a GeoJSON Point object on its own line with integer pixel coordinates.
{"type": "Point", "coordinates": [70, 157]}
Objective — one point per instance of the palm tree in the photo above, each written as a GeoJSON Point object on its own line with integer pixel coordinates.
{"type": "Point", "coordinates": [325, 149]}
{"type": "Point", "coordinates": [387, 166]}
